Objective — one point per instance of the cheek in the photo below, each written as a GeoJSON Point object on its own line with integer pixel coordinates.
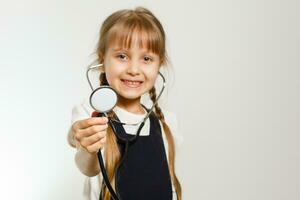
{"type": "Point", "coordinates": [152, 79]}
{"type": "Point", "coordinates": [152, 73]}
{"type": "Point", "coordinates": [108, 75]}
{"type": "Point", "coordinates": [111, 71]}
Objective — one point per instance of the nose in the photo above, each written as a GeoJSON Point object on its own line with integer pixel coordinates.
{"type": "Point", "coordinates": [133, 68]}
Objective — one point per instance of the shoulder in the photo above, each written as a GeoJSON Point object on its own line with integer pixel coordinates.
{"type": "Point", "coordinates": [172, 121]}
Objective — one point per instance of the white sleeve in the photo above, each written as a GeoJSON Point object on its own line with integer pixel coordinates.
{"type": "Point", "coordinates": [171, 120]}
{"type": "Point", "coordinates": [92, 187]}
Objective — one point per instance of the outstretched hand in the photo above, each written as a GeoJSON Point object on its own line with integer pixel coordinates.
{"type": "Point", "coordinates": [91, 133]}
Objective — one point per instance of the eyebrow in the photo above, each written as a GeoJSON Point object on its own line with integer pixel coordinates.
{"type": "Point", "coordinates": [128, 50]}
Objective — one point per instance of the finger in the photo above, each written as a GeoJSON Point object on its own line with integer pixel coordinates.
{"type": "Point", "coordinates": [79, 134]}
{"type": "Point", "coordinates": [96, 146]}
{"type": "Point", "coordinates": [82, 124]}
{"type": "Point", "coordinates": [86, 141]}
{"type": "Point", "coordinates": [91, 130]}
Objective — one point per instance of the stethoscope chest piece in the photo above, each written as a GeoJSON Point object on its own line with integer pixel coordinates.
{"type": "Point", "coordinates": [103, 99]}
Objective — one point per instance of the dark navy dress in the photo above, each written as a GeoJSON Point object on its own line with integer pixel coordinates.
{"type": "Point", "coordinates": [144, 174]}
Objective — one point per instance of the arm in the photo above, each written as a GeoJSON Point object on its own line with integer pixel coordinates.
{"type": "Point", "coordinates": [86, 161]}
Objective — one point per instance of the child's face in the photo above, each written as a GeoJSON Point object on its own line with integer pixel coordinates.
{"type": "Point", "coordinates": [131, 72]}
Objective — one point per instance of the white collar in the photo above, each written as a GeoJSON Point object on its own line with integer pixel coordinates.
{"type": "Point", "coordinates": [129, 117]}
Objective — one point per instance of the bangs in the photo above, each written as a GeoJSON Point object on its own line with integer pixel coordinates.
{"type": "Point", "coordinates": [125, 33]}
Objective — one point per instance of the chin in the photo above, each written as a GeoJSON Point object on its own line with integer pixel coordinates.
{"type": "Point", "coordinates": [130, 96]}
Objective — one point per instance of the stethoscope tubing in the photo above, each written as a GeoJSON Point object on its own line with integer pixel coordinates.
{"type": "Point", "coordinates": [101, 162]}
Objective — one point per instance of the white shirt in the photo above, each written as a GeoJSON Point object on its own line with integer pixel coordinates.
{"type": "Point", "coordinates": [92, 185]}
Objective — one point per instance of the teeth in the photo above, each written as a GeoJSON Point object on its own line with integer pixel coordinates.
{"type": "Point", "coordinates": [132, 83]}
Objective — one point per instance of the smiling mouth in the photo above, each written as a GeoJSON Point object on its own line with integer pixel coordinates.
{"type": "Point", "coordinates": [131, 83]}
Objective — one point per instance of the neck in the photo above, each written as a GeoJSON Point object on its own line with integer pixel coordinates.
{"type": "Point", "coordinates": [131, 105]}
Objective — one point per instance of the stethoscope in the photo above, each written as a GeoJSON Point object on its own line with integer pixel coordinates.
{"type": "Point", "coordinates": [103, 99]}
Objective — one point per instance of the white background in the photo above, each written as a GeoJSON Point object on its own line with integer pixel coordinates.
{"type": "Point", "coordinates": [235, 91]}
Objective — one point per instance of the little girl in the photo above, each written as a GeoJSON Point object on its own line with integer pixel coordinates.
{"type": "Point", "coordinates": [132, 50]}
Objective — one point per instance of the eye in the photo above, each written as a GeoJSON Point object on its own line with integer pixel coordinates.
{"type": "Point", "coordinates": [147, 59]}
{"type": "Point", "coordinates": [122, 56]}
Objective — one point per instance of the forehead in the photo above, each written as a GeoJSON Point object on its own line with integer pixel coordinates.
{"type": "Point", "coordinates": [126, 38]}
{"type": "Point", "coordinates": [135, 45]}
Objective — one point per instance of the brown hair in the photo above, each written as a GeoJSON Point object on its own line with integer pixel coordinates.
{"type": "Point", "coordinates": [120, 28]}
